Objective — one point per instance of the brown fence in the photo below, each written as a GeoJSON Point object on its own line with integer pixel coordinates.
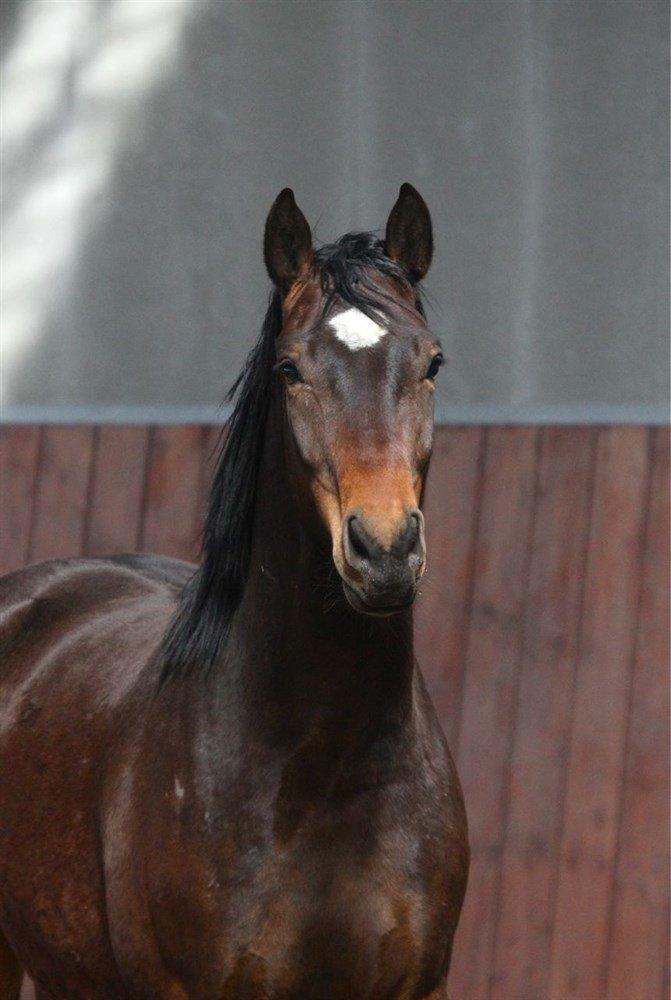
{"type": "Point", "coordinates": [543, 630]}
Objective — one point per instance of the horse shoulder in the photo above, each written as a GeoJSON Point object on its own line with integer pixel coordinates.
{"type": "Point", "coordinates": [76, 645]}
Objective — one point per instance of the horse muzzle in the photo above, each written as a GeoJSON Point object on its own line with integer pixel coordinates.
{"type": "Point", "coordinates": [379, 578]}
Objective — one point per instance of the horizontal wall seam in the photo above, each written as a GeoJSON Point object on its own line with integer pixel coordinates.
{"type": "Point", "coordinates": [457, 413]}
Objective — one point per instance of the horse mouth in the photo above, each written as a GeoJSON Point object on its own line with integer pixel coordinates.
{"type": "Point", "coordinates": [374, 609]}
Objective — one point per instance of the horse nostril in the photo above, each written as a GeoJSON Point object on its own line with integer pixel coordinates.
{"type": "Point", "coordinates": [413, 533]}
{"type": "Point", "coordinates": [366, 554]}
{"type": "Point", "coordinates": [411, 542]}
{"type": "Point", "coordinates": [360, 546]}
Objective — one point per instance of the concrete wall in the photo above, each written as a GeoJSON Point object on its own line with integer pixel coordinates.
{"type": "Point", "coordinates": [144, 142]}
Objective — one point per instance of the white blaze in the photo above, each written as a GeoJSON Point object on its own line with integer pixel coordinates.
{"type": "Point", "coordinates": [356, 330]}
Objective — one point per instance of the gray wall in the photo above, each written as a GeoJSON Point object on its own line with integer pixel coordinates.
{"type": "Point", "coordinates": [144, 142]}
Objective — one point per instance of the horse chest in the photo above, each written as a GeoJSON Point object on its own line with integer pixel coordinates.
{"type": "Point", "coordinates": [351, 939]}
{"type": "Point", "coordinates": [327, 916]}
{"type": "Point", "coordinates": [285, 883]}
{"type": "Point", "coordinates": [357, 942]}
{"type": "Point", "coordinates": [339, 919]}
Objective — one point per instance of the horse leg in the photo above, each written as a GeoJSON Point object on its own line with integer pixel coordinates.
{"type": "Point", "coordinates": [11, 973]}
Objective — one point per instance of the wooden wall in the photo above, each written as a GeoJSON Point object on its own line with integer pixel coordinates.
{"type": "Point", "coordinates": [543, 629]}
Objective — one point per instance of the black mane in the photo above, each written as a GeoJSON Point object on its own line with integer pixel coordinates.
{"type": "Point", "coordinates": [202, 623]}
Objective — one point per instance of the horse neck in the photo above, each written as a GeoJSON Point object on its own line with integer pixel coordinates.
{"type": "Point", "coordinates": [301, 653]}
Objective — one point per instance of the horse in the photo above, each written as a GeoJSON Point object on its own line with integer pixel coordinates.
{"type": "Point", "coordinates": [228, 781]}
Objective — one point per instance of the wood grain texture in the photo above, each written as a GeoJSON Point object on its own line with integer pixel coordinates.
{"type": "Point", "coordinates": [607, 642]}
{"type": "Point", "coordinates": [62, 493]}
{"type": "Point", "coordinates": [544, 712]}
{"type": "Point", "coordinates": [638, 959]}
{"type": "Point", "coordinates": [172, 516]}
{"type": "Point", "coordinates": [19, 450]}
{"type": "Point", "coordinates": [491, 671]}
{"type": "Point", "coordinates": [117, 490]}
{"type": "Point", "coordinates": [451, 506]}
{"type": "Point", "coordinates": [213, 437]}
{"type": "Point", "coordinates": [543, 630]}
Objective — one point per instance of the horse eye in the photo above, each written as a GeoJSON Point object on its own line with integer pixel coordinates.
{"type": "Point", "coordinates": [290, 371]}
{"type": "Point", "coordinates": [436, 362]}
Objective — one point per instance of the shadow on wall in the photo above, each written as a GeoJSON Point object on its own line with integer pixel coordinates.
{"type": "Point", "coordinates": [95, 242]}
{"type": "Point", "coordinates": [144, 142]}
{"type": "Point", "coordinates": [9, 16]}
{"type": "Point", "coordinates": [147, 159]}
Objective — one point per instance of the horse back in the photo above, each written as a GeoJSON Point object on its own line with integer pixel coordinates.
{"type": "Point", "coordinates": [48, 609]}
{"type": "Point", "coordinates": [77, 641]}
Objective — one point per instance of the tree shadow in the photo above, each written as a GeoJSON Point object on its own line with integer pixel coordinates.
{"type": "Point", "coordinates": [162, 289]}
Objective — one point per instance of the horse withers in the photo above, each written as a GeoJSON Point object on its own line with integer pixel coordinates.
{"type": "Point", "coordinates": [229, 781]}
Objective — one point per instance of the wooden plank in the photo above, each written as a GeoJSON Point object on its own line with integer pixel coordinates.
{"type": "Point", "coordinates": [117, 490]}
{"type": "Point", "coordinates": [211, 451]}
{"type": "Point", "coordinates": [19, 448]}
{"type": "Point", "coordinates": [608, 631]}
{"type": "Point", "coordinates": [640, 930]}
{"type": "Point", "coordinates": [612, 885]}
{"type": "Point", "coordinates": [451, 505]}
{"type": "Point", "coordinates": [62, 492]}
{"type": "Point", "coordinates": [544, 712]}
{"type": "Point", "coordinates": [171, 519]}
{"type": "Point", "coordinates": [492, 662]}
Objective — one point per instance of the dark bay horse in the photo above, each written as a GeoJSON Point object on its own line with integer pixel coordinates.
{"type": "Point", "coordinates": [229, 782]}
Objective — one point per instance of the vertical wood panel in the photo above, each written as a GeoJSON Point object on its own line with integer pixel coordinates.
{"type": "Point", "coordinates": [19, 448]}
{"type": "Point", "coordinates": [612, 589]}
{"type": "Point", "coordinates": [211, 451]}
{"type": "Point", "coordinates": [451, 510]}
{"type": "Point", "coordinates": [492, 662]}
{"type": "Point", "coordinates": [639, 943]}
{"type": "Point", "coordinates": [171, 521]}
{"type": "Point", "coordinates": [62, 493]}
{"type": "Point", "coordinates": [566, 787]}
{"type": "Point", "coordinates": [117, 490]}
{"type": "Point", "coordinates": [544, 707]}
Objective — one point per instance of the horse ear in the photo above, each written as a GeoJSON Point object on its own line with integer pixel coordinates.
{"type": "Point", "coordinates": [409, 238]}
{"type": "Point", "coordinates": [287, 242]}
